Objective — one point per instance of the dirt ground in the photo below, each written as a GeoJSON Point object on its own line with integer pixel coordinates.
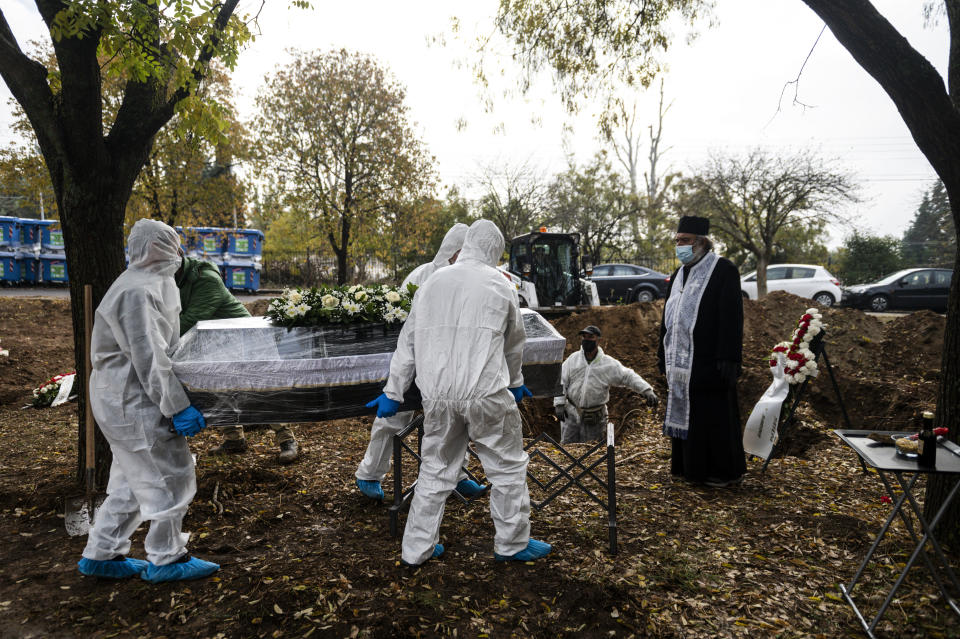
{"type": "Point", "coordinates": [302, 554]}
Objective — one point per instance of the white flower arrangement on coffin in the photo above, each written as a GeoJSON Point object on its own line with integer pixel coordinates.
{"type": "Point", "coordinates": [355, 304]}
{"type": "Point", "coordinates": [799, 360]}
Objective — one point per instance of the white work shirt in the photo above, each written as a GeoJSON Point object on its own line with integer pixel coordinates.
{"type": "Point", "coordinates": [587, 384]}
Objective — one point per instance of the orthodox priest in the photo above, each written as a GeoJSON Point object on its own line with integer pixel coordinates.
{"type": "Point", "coordinates": [701, 343]}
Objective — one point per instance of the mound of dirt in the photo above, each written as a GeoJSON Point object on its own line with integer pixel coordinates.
{"type": "Point", "coordinates": [886, 372]}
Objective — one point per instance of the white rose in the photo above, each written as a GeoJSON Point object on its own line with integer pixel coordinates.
{"type": "Point", "coordinates": [354, 288]}
{"type": "Point", "coordinates": [329, 301]}
{"type": "Point", "coordinates": [296, 297]}
{"type": "Point", "coordinates": [393, 297]}
{"type": "Point", "coordinates": [811, 311]}
{"type": "Point", "coordinates": [813, 330]}
{"type": "Point", "coordinates": [799, 377]}
{"type": "Point", "coordinates": [360, 296]}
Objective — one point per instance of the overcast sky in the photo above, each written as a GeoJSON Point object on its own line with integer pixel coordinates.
{"type": "Point", "coordinates": [724, 89]}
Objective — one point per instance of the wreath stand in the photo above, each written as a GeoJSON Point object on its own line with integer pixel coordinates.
{"type": "Point", "coordinates": [819, 347]}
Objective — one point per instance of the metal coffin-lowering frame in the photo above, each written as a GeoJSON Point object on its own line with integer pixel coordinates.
{"type": "Point", "coordinates": [572, 472]}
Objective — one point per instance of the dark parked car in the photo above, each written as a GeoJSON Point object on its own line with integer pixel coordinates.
{"type": "Point", "coordinates": [627, 283]}
{"type": "Point", "coordinates": [910, 289]}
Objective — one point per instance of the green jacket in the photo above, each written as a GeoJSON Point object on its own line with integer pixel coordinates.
{"type": "Point", "coordinates": [203, 295]}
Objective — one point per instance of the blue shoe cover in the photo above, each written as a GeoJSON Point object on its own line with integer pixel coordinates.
{"type": "Point", "coordinates": [470, 488]}
{"type": "Point", "coordinates": [179, 571]}
{"type": "Point", "coordinates": [111, 568]}
{"type": "Point", "coordinates": [371, 488]}
{"type": "Point", "coordinates": [437, 551]}
{"type": "Point", "coordinates": [534, 550]}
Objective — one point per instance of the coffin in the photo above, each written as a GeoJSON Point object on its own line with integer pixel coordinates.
{"type": "Point", "coordinates": [248, 371]}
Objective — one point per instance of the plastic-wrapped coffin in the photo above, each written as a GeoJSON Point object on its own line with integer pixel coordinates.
{"type": "Point", "coordinates": [248, 371]}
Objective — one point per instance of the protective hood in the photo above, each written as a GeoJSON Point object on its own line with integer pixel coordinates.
{"type": "Point", "coordinates": [452, 242]}
{"type": "Point", "coordinates": [484, 243]}
{"type": "Point", "coordinates": [154, 247]}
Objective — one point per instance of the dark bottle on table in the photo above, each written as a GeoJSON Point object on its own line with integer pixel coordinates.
{"type": "Point", "coordinates": [928, 441]}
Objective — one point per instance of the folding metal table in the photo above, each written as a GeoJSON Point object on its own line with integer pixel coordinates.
{"type": "Point", "coordinates": [886, 460]}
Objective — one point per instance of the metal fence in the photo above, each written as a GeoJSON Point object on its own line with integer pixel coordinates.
{"type": "Point", "coordinates": [312, 268]}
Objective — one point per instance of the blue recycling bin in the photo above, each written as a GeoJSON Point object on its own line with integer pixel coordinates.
{"type": "Point", "coordinates": [51, 236]}
{"type": "Point", "coordinates": [29, 267]}
{"type": "Point", "coordinates": [209, 241]}
{"type": "Point", "coordinates": [245, 242]}
{"type": "Point", "coordinates": [53, 268]}
{"type": "Point", "coordinates": [241, 275]}
{"type": "Point", "coordinates": [30, 232]}
{"type": "Point", "coordinates": [9, 232]}
{"type": "Point", "coordinates": [9, 269]}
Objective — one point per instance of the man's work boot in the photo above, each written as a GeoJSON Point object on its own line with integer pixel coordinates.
{"type": "Point", "coordinates": [289, 451]}
{"type": "Point", "coordinates": [230, 446]}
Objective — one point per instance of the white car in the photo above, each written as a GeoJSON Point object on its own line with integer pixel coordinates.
{"type": "Point", "coordinates": [803, 280]}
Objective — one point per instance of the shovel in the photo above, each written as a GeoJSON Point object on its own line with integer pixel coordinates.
{"type": "Point", "coordinates": [80, 510]}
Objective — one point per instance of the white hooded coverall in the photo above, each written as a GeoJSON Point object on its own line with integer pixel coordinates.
{"type": "Point", "coordinates": [376, 461]}
{"type": "Point", "coordinates": [587, 385]}
{"type": "Point", "coordinates": [132, 387]}
{"type": "Point", "coordinates": [464, 343]}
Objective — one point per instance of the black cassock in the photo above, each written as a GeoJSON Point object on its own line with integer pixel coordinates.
{"type": "Point", "coordinates": [713, 448]}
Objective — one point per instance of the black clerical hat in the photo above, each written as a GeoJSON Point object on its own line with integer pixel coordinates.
{"type": "Point", "coordinates": [694, 225]}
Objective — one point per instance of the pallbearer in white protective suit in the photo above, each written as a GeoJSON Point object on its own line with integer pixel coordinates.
{"type": "Point", "coordinates": [132, 388]}
{"type": "Point", "coordinates": [376, 461]}
{"type": "Point", "coordinates": [587, 376]}
{"type": "Point", "coordinates": [464, 343]}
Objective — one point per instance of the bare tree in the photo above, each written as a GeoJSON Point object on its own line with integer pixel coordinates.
{"type": "Point", "coordinates": [514, 197]}
{"type": "Point", "coordinates": [752, 201]}
{"type": "Point", "coordinates": [620, 130]}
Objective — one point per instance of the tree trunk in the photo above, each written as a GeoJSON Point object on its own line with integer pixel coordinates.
{"type": "Point", "coordinates": [762, 262]}
{"type": "Point", "coordinates": [92, 222]}
{"type": "Point", "coordinates": [948, 405]}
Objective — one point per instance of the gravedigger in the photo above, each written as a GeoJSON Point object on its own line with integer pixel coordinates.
{"type": "Point", "coordinates": [550, 274]}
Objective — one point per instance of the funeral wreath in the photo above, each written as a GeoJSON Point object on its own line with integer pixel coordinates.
{"type": "Point", "coordinates": [799, 361]}
{"type": "Point", "coordinates": [44, 394]}
{"type": "Point", "coordinates": [341, 305]}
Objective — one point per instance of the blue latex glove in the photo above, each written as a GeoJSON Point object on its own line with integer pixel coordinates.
{"type": "Point", "coordinates": [189, 421]}
{"type": "Point", "coordinates": [385, 406]}
{"type": "Point", "coordinates": [192, 568]}
{"type": "Point", "coordinates": [520, 392]}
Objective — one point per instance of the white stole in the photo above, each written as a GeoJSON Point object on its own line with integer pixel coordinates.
{"type": "Point", "coordinates": [680, 318]}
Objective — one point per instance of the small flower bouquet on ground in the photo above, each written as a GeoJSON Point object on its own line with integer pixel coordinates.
{"type": "Point", "coordinates": [47, 392]}
{"type": "Point", "coordinates": [341, 305]}
{"type": "Point", "coordinates": [4, 352]}
{"type": "Point", "coordinates": [800, 362]}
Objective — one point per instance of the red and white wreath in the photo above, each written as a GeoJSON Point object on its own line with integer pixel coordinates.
{"type": "Point", "coordinates": [799, 361]}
